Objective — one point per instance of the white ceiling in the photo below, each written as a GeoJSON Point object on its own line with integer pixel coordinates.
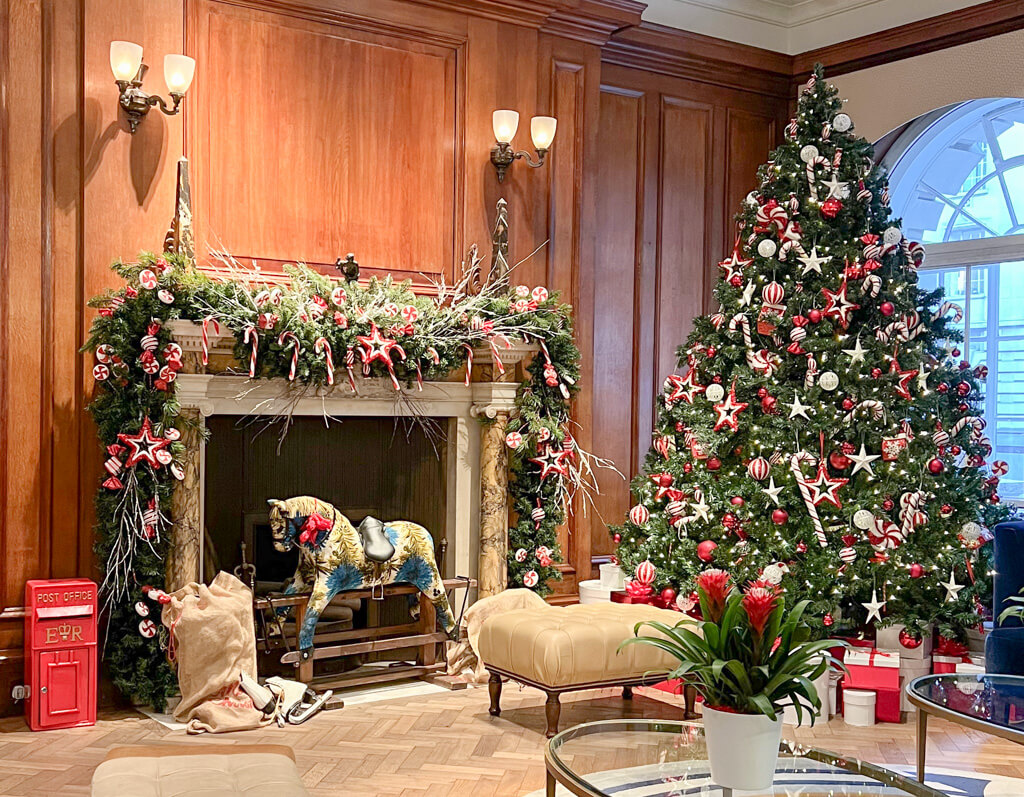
{"type": "Point", "coordinates": [794, 26]}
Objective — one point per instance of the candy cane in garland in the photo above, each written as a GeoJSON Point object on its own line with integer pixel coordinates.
{"type": "Point", "coordinates": [250, 336]}
{"type": "Point", "coordinates": [206, 337]}
{"type": "Point", "coordinates": [323, 346]}
{"type": "Point", "coordinates": [283, 340]}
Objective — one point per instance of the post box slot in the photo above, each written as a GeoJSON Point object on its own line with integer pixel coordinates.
{"type": "Point", "coordinates": [49, 612]}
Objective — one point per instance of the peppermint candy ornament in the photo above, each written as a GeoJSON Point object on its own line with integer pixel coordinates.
{"type": "Point", "coordinates": [521, 555]}
{"type": "Point", "coordinates": [164, 457]}
{"type": "Point", "coordinates": [177, 471]}
{"type": "Point", "coordinates": [172, 351]}
{"type": "Point", "coordinates": [540, 294]}
{"type": "Point", "coordinates": [104, 353]}
{"type": "Point", "coordinates": [141, 609]}
{"type": "Point", "coordinates": [165, 296]}
{"type": "Point", "coordinates": [100, 372]}
{"type": "Point", "coordinates": [150, 366]}
{"type": "Point", "coordinates": [847, 554]}
{"type": "Point", "coordinates": [338, 296]}
{"type": "Point", "coordinates": [1000, 468]}
{"type": "Point", "coordinates": [523, 291]}
{"type": "Point", "coordinates": [147, 628]}
{"type": "Point", "coordinates": [147, 279]}
{"type": "Point", "coordinates": [513, 440]}
{"type": "Point", "coordinates": [538, 514]}
{"type": "Point", "coordinates": [639, 515]}
{"type": "Point", "coordinates": [172, 434]}
{"type": "Point", "coordinates": [410, 314]}
{"type": "Point", "coordinates": [391, 309]}
{"type": "Point", "coordinates": [530, 579]}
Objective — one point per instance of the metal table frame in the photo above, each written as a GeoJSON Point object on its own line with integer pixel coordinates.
{"type": "Point", "coordinates": [926, 707]}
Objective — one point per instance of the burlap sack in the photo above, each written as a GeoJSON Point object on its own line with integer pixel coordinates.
{"type": "Point", "coordinates": [461, 656]}
{"type": "Point", "coordinates": [213, 640]}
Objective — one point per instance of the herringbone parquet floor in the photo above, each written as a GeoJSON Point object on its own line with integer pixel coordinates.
{"type": "Point", "coordinates": [443, 744]}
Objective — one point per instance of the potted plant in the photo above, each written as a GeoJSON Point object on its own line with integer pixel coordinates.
{"type": "Point", "coordinates": [750, 660]}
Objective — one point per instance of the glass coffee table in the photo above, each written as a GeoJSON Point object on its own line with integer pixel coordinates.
{"type": "Point", "coordinates": [989, 703]}
{"type": "Point", "coordinates": [656, 758]}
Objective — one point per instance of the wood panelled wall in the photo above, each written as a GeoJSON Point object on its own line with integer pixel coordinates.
{"type": "Point", "coordinates": [319, 127]}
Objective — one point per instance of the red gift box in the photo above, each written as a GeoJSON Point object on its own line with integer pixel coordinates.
{"type": "Point", "coordinates": [654, 599]}
{"type": "Point", "coordinates": [944, 665]}
{"type": "Point", "coordinates": [887, 705]}
{"type": "Point", "coordinates": [872, 669]}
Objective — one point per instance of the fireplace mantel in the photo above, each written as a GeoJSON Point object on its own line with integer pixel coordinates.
{"type": "Point", "coordinates": [477, 478]}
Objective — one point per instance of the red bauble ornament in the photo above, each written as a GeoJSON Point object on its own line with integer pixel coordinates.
{"type": "Point", "coordinates": [887, 308]}
{"type": "Point", "coordinates": [963, 389]}
{"type": "Point", "coordinates": [814, 314]}
{"type": "Point", "coordinates": [687, 467]}
{"type": "Point", "coordinates": [936, 466]}
{"type": "Point", "coordinates": [706, 550]}
{"type": "Point", "coordinates": [838, 460]}
{"type": "Point", "coordinates": [942, 387]}
{"type": "Point", "coordinates": [711, 351]}
{"type": "Point", "coordinates": [717, 379]}
{"type": "Point", "coordinates": [737, 500]}
{"type": "Point", "coordinates": [780, 516]}
{"type": "Point", "coordinates": [729, 520]}
{"type": "Point", "coordinates": [827, 621]}
{"type": "Point", "coordinates": [955, 451]}
{"type": "Point", "coordinates": [830, 208]}
{"type": "Point", "coordinates": [962, 407]}
{"type": "Point", "coordinates": [616, 538]}
{"type": "Point", "coordinates": [848, 448]}
{"type": "Point", "coordinates": [680, 426]}
{"type": "Point", "coordinates": [887, 505]}
{"type": "Point", "coordinates": [916, 571]}
{"type": "Point", "coordinates": [876, 372]}
{"type": "Point", "coordinates": [714, 463]}
{"type": "Point", "coordinates": [736, 281]}
{"type": "Point", "coordinates": [668, 595]}
{"type": "Point", "coordinates": [848, 404]}
{"type": "Point", "coordinates": [762, 392]}
{"type": "Point", "coordinates": [955, 352]}
{"type": "Point", "coordinates": [768, 405]}
{"type": "Point", "coordinates": [910, 640]}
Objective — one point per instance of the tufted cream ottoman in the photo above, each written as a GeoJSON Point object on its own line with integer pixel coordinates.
{"type": "Point", "coordinates": [199, 770]}
{"type": "Point", "coordinates": [563, 649]}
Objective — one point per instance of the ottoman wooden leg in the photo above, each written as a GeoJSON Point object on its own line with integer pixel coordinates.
{"type": "Point", "coordinates": [494, 689]}
{"type": "Point", "coordinates": [551, 710]}
{"type": "Point", "coordinates": [690, 699]}
{"type": "Point", "coordinates": [627, 693]}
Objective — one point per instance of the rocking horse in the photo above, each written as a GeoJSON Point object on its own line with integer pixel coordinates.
{"type": "Point", "coordinates": [334, 556]}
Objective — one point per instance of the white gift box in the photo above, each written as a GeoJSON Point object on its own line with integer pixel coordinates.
{"type": "Point", "coordinates": [611, 576]}
{"type": "Point", "coordinates": [909, 670]}
{"type": "Point", "coordinates": [976, 666]}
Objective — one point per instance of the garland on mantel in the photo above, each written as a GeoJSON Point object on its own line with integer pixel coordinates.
{"type": "Point", "coordinates": [313, 333]}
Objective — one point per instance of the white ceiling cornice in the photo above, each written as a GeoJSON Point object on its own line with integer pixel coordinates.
{"type": "Point", "coordinates": [794, 26]}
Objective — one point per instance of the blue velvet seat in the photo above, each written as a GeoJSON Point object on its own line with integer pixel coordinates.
{"type": "Point", "coordinates": [1004, 647]}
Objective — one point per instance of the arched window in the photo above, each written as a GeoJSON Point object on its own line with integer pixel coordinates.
{"type": "Point", "coordinates": [957, 181]}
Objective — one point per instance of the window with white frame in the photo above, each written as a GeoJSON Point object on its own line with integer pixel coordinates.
{"type": "Point", "coordinates": [957, 181]}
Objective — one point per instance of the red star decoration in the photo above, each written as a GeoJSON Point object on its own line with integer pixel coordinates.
{"type": "Point", "coordinates": [682, 387]}
{"type": "Point", "coordinates": [824, 487]}
{"type": "Point", "coordinates": [838, 305]}
{"type": "Point", "coordinates": [906, 377]}
{"type": "Point", "coordinates": [551, 460]}
{"type": "Point", "coordinates": [728, 410]}
{"type": "Point", "coordinates": [375, 347]}
{"type": "Point", "coordinates": [734, 265]}
{"type": "Point", "coordinates": [142, 447]}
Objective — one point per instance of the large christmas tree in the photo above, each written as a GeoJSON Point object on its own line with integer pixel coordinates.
{"type": "Point", "coordinates": [825, 433]}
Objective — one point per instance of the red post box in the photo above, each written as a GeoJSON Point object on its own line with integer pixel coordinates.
{"type": "Point", "coordinates": [60, 653]}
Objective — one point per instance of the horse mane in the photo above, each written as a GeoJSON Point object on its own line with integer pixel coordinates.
{"type": "Point", "coordinates": [305, 505]}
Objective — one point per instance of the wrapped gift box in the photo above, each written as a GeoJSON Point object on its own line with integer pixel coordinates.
{"type": "Point", "coordinates": [654, 599]}
{"type": "Point", "coordinates": [909, 670]}
{"type": "Point", "coordinates": [888, 638]}
{"type": "Point", "coordinates": [887, 705]}
{"type": "Point", "coordinates": [945, 665]}
{"type": "Point", "coordinates": [976, 637]}
{"type": "Point", "coordinates": [974, 665]}
{"type": "Point", "coordinates": [869, 668]}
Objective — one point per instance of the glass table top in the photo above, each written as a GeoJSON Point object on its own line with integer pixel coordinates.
{"type": "Point", "coordinates": [991, 699]}
{"type": "Point", "coordinates": [654, 758]}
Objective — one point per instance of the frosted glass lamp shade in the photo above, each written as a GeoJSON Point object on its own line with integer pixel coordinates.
{"type": "Point", "coordinates": [542, 131]}
{"type": "Point", "coordinates": [125, 59]}
{"type": "Point", "coordinates": [178, 73]}
{"type": "Point", "coordinates": [505, 125]}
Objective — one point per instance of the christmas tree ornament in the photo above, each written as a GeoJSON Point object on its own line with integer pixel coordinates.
{"type": "Point", "coordinates": [514, 440]}
{"type": "Point", "coordinates": [616, 538]}
{"type": "Point", "coordinates": [847, 554]}
{"type": "Point", "coordinates": [904, 379]}
{"type": "Point", "coordinates": [812, 262]}
{"type": "Point", "coordinates": [825, 488]}
{"type": "Point", "coordinates": [814, 315]}
{"type": "Point", "coordinates": [841, 123]}
{"type": "Point", "coordinates": [733, 267]}
{"type": "Point", "coordinates": [646, 573]}
{"type": "Point", "coordinates": [836, 187]}
{"type": "Point", "coordinates": [838, 460]}
{"type": "Point", "coordinates": [530, 579]}
{"type": "Point", "coordinates": [909, 639]}
{"type": "Point", "coordinates": [165, 296]}
{"type": "Point", "coordinates": [143, 446]}
{"type": "Point", "coordinates": [809, 153]}
{"type": "Point", "coordinates": [779, 516]}
{"type": "Point", "coordinates": [887, 308]}
{"type": "Point", "coordinates": [829, 380]}
{"type": "Point", "coordinates": [772, 491]}
{"type": "Point", "coordinates": [831, 207]}
{"type": "Point", "coordinates": [521, 555]}
{"type": "Point", "coordinates": [838, 306]}
{"type": "Point", "coordinates": [827, 621]}
{"type": "Point", "coordinates": [893, 446]}
{"type": "Point", "coordinates": [737, 500]}
{"type": "Point", "coordinates": [714, 393]}
{"type": "Point", "coordinates": [916, 571]}
{"type": "Point", "coordinates": [945, 511]}
{"type": "Point", "coordinates": [952, 588]}
{"type": "Point", "coordinates": [714, 463]}
{"type": "Point", "coordinates": [728, 409]}
{"type": "Point", "coordinates": [668, 596]}
{"type": "Point", "coordinates": [706, 550]}
{"type": "Point", "coordinates": [147, 628]}
{"type": "Point", "coordinates": [892, 236]}
{"type": "Point", "coordinates": [100, 372]}
{"type": "Point", "coordinates": [936, 466]}
{"type": "Point", "coordinates": [758, 469]}
{"type": "Point", "coordinates": [874, 607]}
{"type": "Point", "coordinates": [537, 515]}
{"type": "Point", "coordinates": [767, 248]}
{"type": "Point", "coordinates": [797, 408]}
{"type": "Point", "coordinates": [141, 609]}
{"type": "Point", "coordinates": [863, 519]}
{"type": "Point", "coordinates": [972, 535]}
{"type": "Point", "coordinates": [675, 508]}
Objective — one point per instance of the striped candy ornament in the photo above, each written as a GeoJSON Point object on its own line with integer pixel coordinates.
{"type": "Point", "coordinates": [251, 337]}
{"type": "Point", "coordinates": [639, 515]}
{"type": "Point", "coordinates": [645, 573]}
{"type": "Point", "coordinates": [759, 468]}
{"type": "Point", "coordinates": [323, 346]}
{"type": "Point", "coordinates": [149, 342]}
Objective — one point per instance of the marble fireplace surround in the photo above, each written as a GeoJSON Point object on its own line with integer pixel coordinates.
{"type": "Point", "coordinates": [476, 525]}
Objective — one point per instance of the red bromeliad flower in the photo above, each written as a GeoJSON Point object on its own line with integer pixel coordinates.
{"type": "Point", "coordinates": [714, 585]}
{"type": "Point", "coordinates": [759, 601]}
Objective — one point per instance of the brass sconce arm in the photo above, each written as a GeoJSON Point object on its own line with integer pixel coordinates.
{"type": "Point", "coordinates": [503, 156]}
{"type": "Point", "coordinates": [136, 102]}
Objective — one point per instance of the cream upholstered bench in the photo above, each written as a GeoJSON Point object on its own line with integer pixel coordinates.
{"type": "Point", "coordinates": [564, 649]}
{"type": "Point", "coordinates": [199, 770]}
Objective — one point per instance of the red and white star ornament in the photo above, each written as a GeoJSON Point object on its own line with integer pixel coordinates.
{"type": "Point", "coordinates": [905, 378]}
{"type": "Point", "coordinates": [513, 440]}
{"type": "Point", "coordinates": [143, 446]}
{"type": "Point", "coordinates": [728, 410]}
{"type": "Point", "coordinates": [824, 487]}
{"type": "Point", "coordinates": [733, 267]}
{"type": "Point", "coordinates": [838, 305]}
{"type": "Point", "coordinates": [551, 460]}
{"type": "Point", "coordinates": [375, 347]}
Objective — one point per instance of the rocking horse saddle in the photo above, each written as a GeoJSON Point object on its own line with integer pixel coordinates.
{"type": "Point", "coordinates": [376, 545]}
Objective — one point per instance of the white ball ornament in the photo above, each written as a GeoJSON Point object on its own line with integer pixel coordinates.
{"type": "Point", "coordinates": [842, 123]}
{"type": "Point", "coordinates": [847, 554]}
{"type": "Point", "coordinates": [829, 380]}
{"type": "Point", "coordinates": [752, 199]}
{"type": "Point", "coordinates": [892, 236]}
{"type": "Point", "coordinates": [772, 574]}
{"type": "Point", "coordinates": [767, 248]}
{"type": "Point", "coordinates": [715, 392]}
{"type": "Point", "coordinates": [808, 153]}
{"type": "Point", "coordinates": [863, 519]}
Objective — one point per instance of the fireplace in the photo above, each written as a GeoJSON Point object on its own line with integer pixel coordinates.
{"type": "Point", "coordinates": [391, 468]}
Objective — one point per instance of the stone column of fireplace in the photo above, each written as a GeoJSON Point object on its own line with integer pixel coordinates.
{"type": "Point", "coordinates": [493, 573]}
{"type": "Point", "coordinates": [183, 560]}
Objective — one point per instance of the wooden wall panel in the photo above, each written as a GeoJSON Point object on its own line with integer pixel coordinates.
{"type": "Point", "coordinates": [329, 139]}
{"type": "Point", "coordinates": [749, 138]}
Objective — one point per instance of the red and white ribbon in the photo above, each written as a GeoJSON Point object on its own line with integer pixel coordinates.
{"type": "Point", "coordinates": [350, 361]}
{"type": "Point", "coordinates": [945, 307]}
{"type": "Point", "coordinates": [469, 363]}
{"type": "Point", "coordinates": [251, 336]}
{"type": "Point", "coordinates": [290, 336]}
{"type": "Point", "coordinates": [795, 462]}
{"type": "Point", "coordinates": [323, 346]}
{"type": "Point", "coordinates": [206, 337]}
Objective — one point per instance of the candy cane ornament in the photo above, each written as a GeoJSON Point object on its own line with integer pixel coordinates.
{"type": "Point", "coordinates": [250, 336]}
{"type": "Point", "coordinates": [282, 341]}
{"type": "Point", "coordinates": [795, 462]}
{"type": "Point", "coordinates": [350, 361]}
{"type": "Point", "coordinates": [206, 337]}
{"type": "Point", "coordinates": [323, 346]}
{"type": "Point", "coordinates": [945, 307]}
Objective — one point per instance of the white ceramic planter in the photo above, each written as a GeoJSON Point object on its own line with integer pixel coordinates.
{"type": "Point", "coordinates": [743, 749]}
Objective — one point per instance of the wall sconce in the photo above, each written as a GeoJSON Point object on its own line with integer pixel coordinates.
{"type": "Point", "coordinates": [129, 72]}
{"type": "Point", "coordinates": [505, 123]}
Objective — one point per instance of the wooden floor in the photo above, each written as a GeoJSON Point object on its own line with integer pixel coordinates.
{"type": "Point", "coordinates": [445, 744]}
